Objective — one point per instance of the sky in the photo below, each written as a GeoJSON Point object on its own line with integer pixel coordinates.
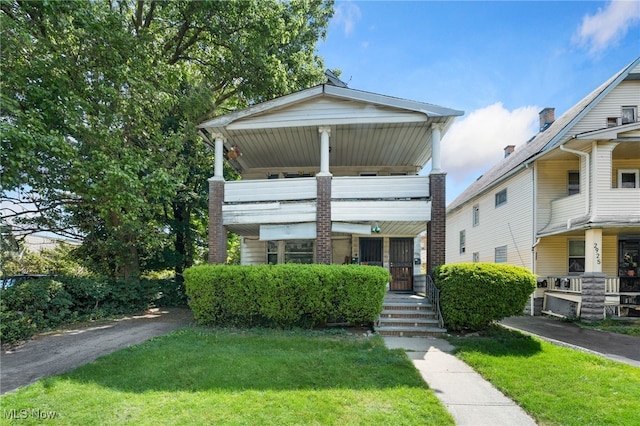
{"type": "Point", "coordinates": [500, 62]}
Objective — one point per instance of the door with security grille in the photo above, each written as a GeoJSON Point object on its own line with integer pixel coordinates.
{"type": "Point", "coordinates": [401, 264]}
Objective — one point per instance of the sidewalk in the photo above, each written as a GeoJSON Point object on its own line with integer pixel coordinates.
{"type": "Point", "coordinates": [470, 399]}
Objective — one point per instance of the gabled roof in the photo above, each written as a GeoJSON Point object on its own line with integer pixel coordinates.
{"type": "Point", "coordinates": [332, 91]}
{"type": "Point", "coordinates": [544, 141]}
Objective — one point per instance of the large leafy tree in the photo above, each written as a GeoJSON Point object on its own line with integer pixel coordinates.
{"type": "Point", "coordinates": [99, 105]}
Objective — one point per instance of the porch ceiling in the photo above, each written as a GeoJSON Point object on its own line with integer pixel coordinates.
{"type": "Point", "coordinates": [366, 130]}
{"type": "Point", "coordinates": [387, 144]}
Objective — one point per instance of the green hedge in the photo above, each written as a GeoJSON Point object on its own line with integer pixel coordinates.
{"type": "Point", "coordinates": [285, 295]}
{"type": "Point", "coordinates": [473, 295]}
{"type": "Point", "coordinates": [36, 305]}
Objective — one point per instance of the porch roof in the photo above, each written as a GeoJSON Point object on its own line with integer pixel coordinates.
{"type": "Point", "coordinates": [367, 129]}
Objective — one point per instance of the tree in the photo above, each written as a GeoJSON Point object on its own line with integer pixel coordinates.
{"type": "Point", "coordinates": [99, 105]}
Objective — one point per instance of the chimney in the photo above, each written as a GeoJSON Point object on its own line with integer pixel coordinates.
{"type": "Point", "coordinates": [508, 150]}
{"type": "Point", "coordinates": [547, 116]}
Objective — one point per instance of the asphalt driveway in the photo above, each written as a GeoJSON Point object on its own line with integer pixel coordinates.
{"type": "Point", "coordinates": [60, 351]}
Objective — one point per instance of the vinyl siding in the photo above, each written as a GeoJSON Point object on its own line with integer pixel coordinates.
{"type": "Point", "coordinates": [552, 185]}
{"type": "Point", "coordinates": [509, 224]}
{"type": "Point", "coordinates": [253, 252]}
{"type": "Point", "coordinates": [627, 93]}
{"type": "Point", "coordinates": [552, 254]}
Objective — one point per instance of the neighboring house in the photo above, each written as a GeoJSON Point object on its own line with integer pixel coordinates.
{"type": "Point", "coordinates": [329, 175]}
{"type": "Point", "coordinates": [565, 205]}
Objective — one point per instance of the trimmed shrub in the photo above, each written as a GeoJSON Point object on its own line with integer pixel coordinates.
{"type": "Point", "coordinates": [473, 295]}
{"type": "Point", "coordinates": [285, 295]}
{"type": "Point", "coordinates": [36, 305]}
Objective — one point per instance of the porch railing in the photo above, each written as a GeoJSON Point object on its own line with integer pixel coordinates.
{"type": "Point", "coordinates": [433, 293]}
{"type": "Point", "coordinates": [571, 284]}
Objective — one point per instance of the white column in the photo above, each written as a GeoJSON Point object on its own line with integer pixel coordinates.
{"type": "Point", "coordinates": [593, 250]}
{"type": "Point", "coordinates": [436, 128]}
{"type": "Point", "coordinates": [218, 173]}
{"type": "Point", "coordinates": [324, 131]}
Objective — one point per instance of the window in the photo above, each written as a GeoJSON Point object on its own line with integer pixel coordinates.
{"type": "Point", "coordinates": [501, 254]}
{"type": "Point", "coordinates": [368, 173]}
{"type": "Point", "coordinates": [272, 252]}
{"type": "Point", "coordinates": [629, 114]}
{"type": "Point", "coordinates": [476, 256]}
{"type": "Point", "coordinates": [476, 215]}
{"type": "Point", "coordinates": [612, 121]}
{"type": "Point", "coordinates": [576, 256]}
{"type": "Point", "coordinates": [501, 197]}
{"type": "Point", "coordinates": [463, 243]}
{"type": "Point", "coordinates": [298, 251]}
{"type": "Point", "coordinates": [573, 182]}
{"type": "Point", "coordinates": [627, 178]}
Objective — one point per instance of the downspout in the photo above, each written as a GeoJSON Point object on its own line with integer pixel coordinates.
{"type": "Point", "coordinates": [588, 180]}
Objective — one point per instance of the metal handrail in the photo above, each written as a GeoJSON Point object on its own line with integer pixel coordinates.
{"type": "Point", "coordinates": [433, 293]}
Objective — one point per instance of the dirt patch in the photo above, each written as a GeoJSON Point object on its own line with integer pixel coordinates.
{"type": "Point", "coordinates": [61, 350]}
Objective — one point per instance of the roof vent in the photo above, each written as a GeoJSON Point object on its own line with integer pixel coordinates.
{"type": "Point", "coordinates": [547, 117]}
{"type": "Point", "coordinates": [508, 150]}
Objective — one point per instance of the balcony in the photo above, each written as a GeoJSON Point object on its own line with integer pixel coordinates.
{"type": "Point", "coordinates": [383, 199]}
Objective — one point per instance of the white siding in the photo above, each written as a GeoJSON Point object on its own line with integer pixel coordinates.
{"type": "Point", "coordinates": [270, 190]}
{"type": "Point", "coordinates": [379, 187]}
{"type": "Point", "coordinates": [268, 213]}
{"type": "Point", "coordinates": [627, 93]}
{"type": "Point", "coordinates": [552, 185]}
{"type": "Point", "coordinates": [404, 211]}
{"type": "Point", "coordinates": [509, 224]}
{"type": "Point", "coordinates": [253, 252]}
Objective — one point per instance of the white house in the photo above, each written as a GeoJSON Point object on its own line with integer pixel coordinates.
{"type": "Point", "coordinates": [330, 175]}
{"type": "Point", "coordinates": [566, 205]}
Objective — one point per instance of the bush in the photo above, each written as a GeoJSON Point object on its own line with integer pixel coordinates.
{"type": "Point", "coordinates": [36, 305]}
{"type": "Point", "coordinates": [473, 295]}
{"type": "Point", "coordinates": [285, 295]}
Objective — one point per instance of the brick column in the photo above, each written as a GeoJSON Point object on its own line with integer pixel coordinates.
{"type": "Point", "coordinates": [217, 233]}
{"type": "Point", "coordinates": [436, 229]}
{"type": "Point", "coordinates": [323, 220]}
{"type": "Point", "coordinates": [593, 296]}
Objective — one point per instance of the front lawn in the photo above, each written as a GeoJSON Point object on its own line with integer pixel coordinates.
{"type": "Point", "coordinates": [212, 376]}
{"type": "Point", "coordinates": [556, 385]}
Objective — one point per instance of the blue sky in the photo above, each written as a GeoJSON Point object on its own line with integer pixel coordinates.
{"type": "Point", "coordinates": [500, 62]}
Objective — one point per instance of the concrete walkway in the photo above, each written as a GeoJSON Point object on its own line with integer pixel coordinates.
{"type": "Point", "coordinates": [470, 399]}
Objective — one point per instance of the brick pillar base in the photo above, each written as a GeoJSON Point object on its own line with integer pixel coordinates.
{"type": "Point", "coordinates": [593, 296]}
{"type": "Point", "coordinates": [217, 233]}
{"type": "Point", "coordinates": [437, 231]}
{"type": "Point", "coordinates": [323, 220]}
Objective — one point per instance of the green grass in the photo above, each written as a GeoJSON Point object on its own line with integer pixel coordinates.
{"type": "Point", "coordinates": [258, 377]}
{"type": "Point", "coordinates": [627, 326]}
{"type": "Point", "coordinates": [556, 385]}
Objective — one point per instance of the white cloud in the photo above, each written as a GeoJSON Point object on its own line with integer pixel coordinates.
{"type": "Point", "coordinates": [608, 25]}
{"type": "Point", "coordinates": [347, 15]}
{"type": "Point", "coordinates": [476, 143]}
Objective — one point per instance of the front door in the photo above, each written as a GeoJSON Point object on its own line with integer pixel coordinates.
{"type": "Point", "coordinates": [401, 264]}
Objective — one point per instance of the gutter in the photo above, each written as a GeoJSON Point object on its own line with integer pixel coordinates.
{"type": "Point", "coordinates": [588, 180]}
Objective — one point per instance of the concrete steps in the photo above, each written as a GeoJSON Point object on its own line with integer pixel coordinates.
{"type": "Point", "coordinates": [407, 315]}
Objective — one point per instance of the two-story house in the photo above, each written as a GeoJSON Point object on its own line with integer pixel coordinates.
{"type": "Point", "coordinates": [566, 205]}
{"type": "Point", "coordinates": [330, 175]}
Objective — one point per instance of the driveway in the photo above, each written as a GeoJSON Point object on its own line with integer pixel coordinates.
{"type": "Point", "coordinates": [56, 352]}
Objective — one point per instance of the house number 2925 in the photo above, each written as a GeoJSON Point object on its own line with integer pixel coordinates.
{"type": "Point", "coordinates": [597, 251]}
